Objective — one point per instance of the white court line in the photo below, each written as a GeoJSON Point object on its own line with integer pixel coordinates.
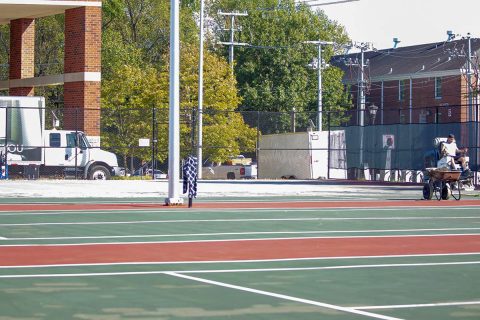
{"type": "Point", "coordinates": [282, 296]}
{"type": "Point", "coordinates": [231, 220]}
{"type": "Point", "coordinates": [239, 233]}
{"type": "Point", "coordinates": [241, 261]}
{"type": "Point", "coordinates": [420, 305]}
{"type": "Point", "coordinates": [83, 212]}
{"type": "Point", "coordinates": [235, 240]}
{"type": "Point", "coordinates": [361, 266]}
{"type": "Point", "coordinates": [223, 210]}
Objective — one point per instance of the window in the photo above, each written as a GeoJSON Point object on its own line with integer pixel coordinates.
{"type": "Point", "coordinates": [401, 90]}
{"type": "Point", "coordinates": [438, 88]}
{"type": "Point", "coordinates": [71, 143]}
{"type": "Point", "coordinates": [55, 140]}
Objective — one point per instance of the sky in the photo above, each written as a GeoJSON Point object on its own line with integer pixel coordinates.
{"type": "Point", "coordinates": [411, 21]}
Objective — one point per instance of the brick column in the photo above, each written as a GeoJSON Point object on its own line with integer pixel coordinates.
{"type": "Point", "coordinates": [22, 54]}
{"type": "Point", "coordinates": [83, 61]}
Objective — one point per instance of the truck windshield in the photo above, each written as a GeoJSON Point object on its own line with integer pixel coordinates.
{"type": "Point", "coordinates": [84, 144]}
{"type": "Point", "coordinates": [80, 142]}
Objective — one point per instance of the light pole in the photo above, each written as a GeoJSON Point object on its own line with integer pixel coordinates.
{"type": "Point", "coordinates": [200, 96]}
{"type": "Point", "coordinates": [174, 108]}
{"type": "Point", "coordinates": [319, 45]}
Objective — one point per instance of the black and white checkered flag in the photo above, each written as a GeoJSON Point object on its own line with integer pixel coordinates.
{"type": "Point", "coordinates": [190, 177]}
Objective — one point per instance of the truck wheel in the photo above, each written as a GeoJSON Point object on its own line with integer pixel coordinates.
{"type": "Point", "coordinates": [231, 175]}
{"type": "Point", "coordinates": [99, 173]}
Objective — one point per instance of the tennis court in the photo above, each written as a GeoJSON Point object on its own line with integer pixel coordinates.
{"type": "Point", "coordinates": [226, 258]}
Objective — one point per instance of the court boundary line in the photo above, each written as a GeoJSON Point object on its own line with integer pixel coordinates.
{"type": "Point", "coordinates": [230, 220]}
{"type": "Point", "coordinates": [419, 305]}
{"type": "Point", "coordinates": [226, 210]}
{"type": "Point", "coordinates": [360, 266]}
{"type": "Point", "coordinates": [239, 233]}
{"type": "Point", "coordinates": [239, 261]}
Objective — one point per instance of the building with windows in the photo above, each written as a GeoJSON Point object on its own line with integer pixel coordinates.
{"type": "Point", "coordinates": [82, 56]}
{"type": "Point", "coordinates": [428, 83]}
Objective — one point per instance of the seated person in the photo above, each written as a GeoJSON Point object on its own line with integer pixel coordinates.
{"type": "Point", "coordinates": [450, 149]}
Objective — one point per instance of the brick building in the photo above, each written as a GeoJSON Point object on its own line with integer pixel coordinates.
{"type": "Point", "coordinates": [82, 66]}
{"type": "Point", "coordinates": [425, 83]}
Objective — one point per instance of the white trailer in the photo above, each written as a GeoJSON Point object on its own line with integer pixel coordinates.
{"type": "Point", "coordinates": [24, 142]}
{"type": "Point", "coordinates": [302, 155]}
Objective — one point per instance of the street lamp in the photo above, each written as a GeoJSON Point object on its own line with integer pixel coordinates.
{"type": "Point", "coordinates": [174, 108]}
{"type": "Point", "coordinates": [200, 96]}
{"type": "Point", "coordinates": [373, 112]}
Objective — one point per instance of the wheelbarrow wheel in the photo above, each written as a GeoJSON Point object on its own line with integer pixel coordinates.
{"type": "Point", "coordinates": [427, 191]}
{"type": "Point", "coordinates": [437, 189]}
{"type": "Point", "coordinates": [445, 191]}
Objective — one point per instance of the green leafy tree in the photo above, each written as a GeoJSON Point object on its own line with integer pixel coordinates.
{"type": "Point", "coordinates": [224, 132]}
{"type": "Point", "coordinates": [132, 90]}
{"type": "Point", "coordinates": [4, 50]}
{"type": "Point", "coordinates": [145, 24]}
{"type": "Point", "coordinates": [128, 98]}
{"type": "Point", "coordinates": [49, 60]}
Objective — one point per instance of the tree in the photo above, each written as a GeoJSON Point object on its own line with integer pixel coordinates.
{"type": "Point", "coordinates": [127, 102]}
{"type": "Point", "coordinates": [133, 90]}
{"type": "Point", "coordinates": [272, 73]}
{"type": "Point", "coordinates": [225, 132]}
{"type": "Point", "coordinates": [145, 24]}
{"type": "Point", "coordinates": [4, 50]}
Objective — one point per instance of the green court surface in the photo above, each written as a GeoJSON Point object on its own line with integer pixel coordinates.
{"type": "Point", "coordinates": [408, 286]}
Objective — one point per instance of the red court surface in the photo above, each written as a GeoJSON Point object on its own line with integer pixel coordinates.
{"type": "Point", "coordinates": [242, 205]}
{"type": "Point", "coordinates": [237, 250]}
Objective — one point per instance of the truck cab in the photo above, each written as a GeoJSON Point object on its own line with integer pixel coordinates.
{"type": "Point", "coordinates": [71, 150]}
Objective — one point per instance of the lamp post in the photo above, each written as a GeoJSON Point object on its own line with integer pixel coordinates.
{"type": "Point", "coordinates": [200, 95]}
{"type": "Point", "coordinates": [174, 108]}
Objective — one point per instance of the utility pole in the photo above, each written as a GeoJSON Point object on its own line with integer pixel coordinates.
{"type": "Point", "coordinates": [469, 79]}
{"type": "Point", "coordinates": [362, 64]}
{"type": "Point", "coordinates": [319, 45]}
{"type": "Point", "coordinates": [455, 53]}
{"type": "Point", "coordinates": [232, 42]}
{"type": "Point", "coordinates": [363, 47]}
{"type": "Point", "coordinates": [472, 110]}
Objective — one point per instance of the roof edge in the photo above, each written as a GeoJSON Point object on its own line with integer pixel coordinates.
{"type": "Point", "coordinates": [429, 74]}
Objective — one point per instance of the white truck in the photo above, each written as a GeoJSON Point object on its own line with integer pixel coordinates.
{"type": "Point", "coordinates": [25, 142]}
{"type": "Point", "coordinates": [302, 155]}
{"type": "Point", "coordinates": [237, 167]}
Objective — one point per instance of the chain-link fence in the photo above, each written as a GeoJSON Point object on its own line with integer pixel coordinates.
{"type": "Point", "coordinates": [394, 140]}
